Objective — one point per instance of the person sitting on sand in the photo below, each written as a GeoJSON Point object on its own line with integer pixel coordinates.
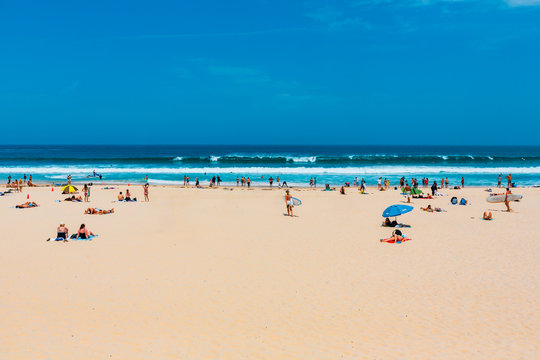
{"type": "Point", "coordinates": [342, 191]}
{"type": "Point", "coordinates": [128, 196]}
{"type": "Point", "coordinates": [62, 232]}
{"type": "Point", "coordinates": [94, 211]}
{"type": "Point", "coordinates": [28, 204]}
{"type": "Point", "coordinates": [488, 216]}
{"type": "Point", "coordinates": [389, 223]}
{"type": "Point", "coordinates": [397, 236]}
{"type": "Point", "coordinates": [83, 233]}
{"type": "Point", "coordinates": [120, 197]}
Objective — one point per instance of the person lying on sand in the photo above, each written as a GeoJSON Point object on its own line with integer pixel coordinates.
{"type": "Point", "coordinates": [73, 198]}
{"type": "Point", "coordinates": [83, 233]}
{"type": "Point", "coordinates": [94, 211]}
{"type": "Point", "coordinates": [397, 236]}
{"type": "Point", "coordinates": [488, 216]}
{"type": "Point", "coordinates": [28, 204]}
{"type": "Point", "coordinates": [430, 209]}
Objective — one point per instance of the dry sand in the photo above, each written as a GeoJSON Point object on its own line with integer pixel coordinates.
{"type": "Point", "coordinates": [219, 274]}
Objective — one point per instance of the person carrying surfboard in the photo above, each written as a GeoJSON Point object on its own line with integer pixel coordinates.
{"type": "Point", "coordinates": [289, 203]}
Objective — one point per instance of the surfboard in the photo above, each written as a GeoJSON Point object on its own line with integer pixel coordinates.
{"type": "Point", "coordinates": [295, 201]}
{"type": "Point", "coordinates": [500, 198]}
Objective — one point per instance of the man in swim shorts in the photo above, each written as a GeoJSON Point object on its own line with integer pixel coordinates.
{"type": "Point", "coordinates": [289, 203]}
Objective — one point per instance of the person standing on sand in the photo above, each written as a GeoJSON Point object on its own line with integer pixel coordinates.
{"type": "Point", "coordinates": [270, 180]}
{"type": "Point", "coordinates": [311, 182]}
{"type": "Point", "coordinates": [434, 188]}
{"type": "Point", "coordinates": [509, 178]}
{"type": "Point", "coordinates": [248, 182]}
{"type": "Point", "coordinates": [446, 183]}
{"type": "Point", "coordinates": [9, 179]}
{"type": "Point", "coordinates": [85, 191]}
{"type": "Point", "coordinates": [408, 192]}
{"type": "Point", "coordinates": [506, 202]}
{"type": "Point", "coordinates": [288, 203]}
{"type": "Point", "coordinates": [145, 189]}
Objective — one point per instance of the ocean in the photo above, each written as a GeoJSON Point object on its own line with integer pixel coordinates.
{"type": "Point", "coordinates": [335, 165]}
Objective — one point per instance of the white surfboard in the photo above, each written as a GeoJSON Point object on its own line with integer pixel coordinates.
{"type": "Point", "coordinates": [500, 198]}
{"type": "Point", "coordinates": [295, 201]}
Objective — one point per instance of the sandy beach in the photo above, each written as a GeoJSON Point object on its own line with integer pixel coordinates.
{"type": "Point", "coordinates": [221, 274]}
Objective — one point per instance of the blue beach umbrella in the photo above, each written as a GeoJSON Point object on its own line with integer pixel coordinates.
{"type": "Point", "coordinates": [396, 210]}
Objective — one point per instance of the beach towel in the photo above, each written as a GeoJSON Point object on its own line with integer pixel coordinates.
{"type": "Point", "coordinates": [72, 237]}
{"type": "Point", "coordinates": [392, 241]}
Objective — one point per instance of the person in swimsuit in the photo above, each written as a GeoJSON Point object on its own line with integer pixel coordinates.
{"type": "Point", "coordinates": [62, 232]}
{"type": "Point", "coordinates": [506, 202]}
{"type": "Point", "coordinates": [145, 190]}
{"type": "Point", "coordinates": [83, 233]}
{"type": "Point", "coordinates": [289, 203]}
{"type": "Point", "coordinates": [120, 197]}
{"type": "Point", "coordinates": [128, 196]}
{"type": "Point", "coordinates": [85, 190]}
{"type": "Point", "coordinates": [28, 204]}
{"type": "Point", "coordinates": [397, 236]}
{"type": "Point", "coordinates": [94, 211]}
{"type": "Point", "coordinates": [342, 190]}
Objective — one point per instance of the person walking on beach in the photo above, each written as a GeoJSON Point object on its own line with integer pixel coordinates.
{"type": "Point", "coordinates": [145, 189]}
{"type": "Point", "coordinates": [379, 183]}
{"type": "Point", "coordinates": [509, 178]}
{"type": "Point", "coordinates": [288, 203]}
{"type": "Point", "coordinates": [506, 202]}
{"type": "Point", "coordinates": [499, 180]}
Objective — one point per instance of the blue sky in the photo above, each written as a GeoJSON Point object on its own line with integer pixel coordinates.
{"type": "Point", "coordinates": [274, 72]}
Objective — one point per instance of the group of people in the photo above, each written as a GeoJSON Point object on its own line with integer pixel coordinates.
{"type": "Point", "coordinates": [18, 184]}
{"type": "Point", "coordinates": [508, 180]}
{"type": "Point", "coordinates": [62, 233]}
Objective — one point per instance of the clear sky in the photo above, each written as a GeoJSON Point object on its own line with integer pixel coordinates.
{"type": "Point", "coordinates": [274, 72]}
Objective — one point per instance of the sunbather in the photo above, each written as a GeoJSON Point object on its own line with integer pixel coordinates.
{"type": "Point", "coordinates": [74, 198]}
{"type": "Point", "coordinates": [83, 233]}
{"type": "Point", "coordinates": [94, 211]}
{"type": "Point", "coordinates": [28, 204]}
{"type": "Point", "coordinates": [389, 223]}
{"type": "Point", "coordinates": [397, 236]}
{"type": "Point", "coordinates": [488, 216]}
{"type": "Point", "coordinates": [430, 209]}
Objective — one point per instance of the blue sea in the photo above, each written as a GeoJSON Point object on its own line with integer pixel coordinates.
{"type": "Point", "coordinates": [167, 164]}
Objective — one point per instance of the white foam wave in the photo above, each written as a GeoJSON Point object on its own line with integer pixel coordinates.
{"type": "Point", "coordinates": [373, 170]}
{"type": "Point", "coordinates": [302, 159]}
{"type": "Point", "coordinates": [215, 158]}
{"type": "Point", "coordinates": [178, 158]}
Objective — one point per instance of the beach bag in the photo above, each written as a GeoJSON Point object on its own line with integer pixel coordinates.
{"type": "Point", "coordinates": [454, 200]}
{"type": "Point", "coordinates": [463, 201]}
